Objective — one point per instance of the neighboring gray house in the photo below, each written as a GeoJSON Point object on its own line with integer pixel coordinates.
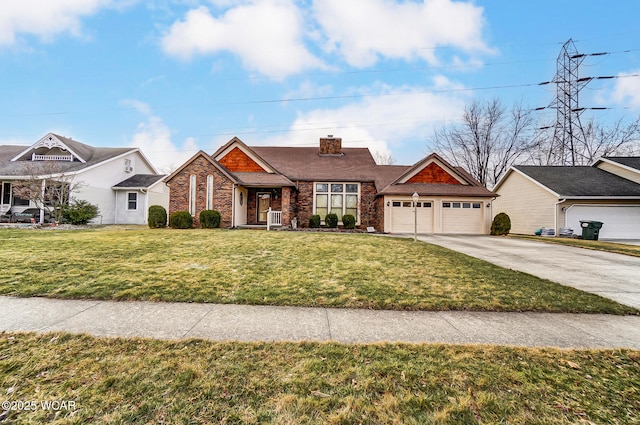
{"type": "Point", "coordinates": [121, 181]}
{"type": "Point", "coordinates": [556, 197]}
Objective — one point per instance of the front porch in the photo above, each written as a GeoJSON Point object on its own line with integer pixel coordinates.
{"type": "Point", "coordinates": [274, 221]}
{"type": "Point", "coordinates": [263, 207]}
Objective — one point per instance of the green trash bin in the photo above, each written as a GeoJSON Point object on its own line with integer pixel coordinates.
{"type": "Point", "coordinates": [590, 229]}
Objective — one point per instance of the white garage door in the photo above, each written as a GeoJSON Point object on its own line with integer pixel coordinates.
{"type": "Point", "coordinates": [620, 221]}
{"type": "Point", "coordinates": [402, 217]}
{"type": "Point", "coordinates": [462, 217]}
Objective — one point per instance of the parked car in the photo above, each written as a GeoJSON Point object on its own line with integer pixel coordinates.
{"type": "Point", "coordinates": [6, 217]}
{"type": "Point", "coordinates": [27, 215]}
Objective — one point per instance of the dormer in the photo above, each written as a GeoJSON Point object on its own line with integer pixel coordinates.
{"type": "Point", "coordinates": [52, 148]}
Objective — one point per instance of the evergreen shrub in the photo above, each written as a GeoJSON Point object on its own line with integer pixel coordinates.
{"type": "Point", "coordinates": [181, 220]}
{"type": "Point", "coordinates": [501, 225]}
{"type": "Point", "coordinates": [157, 217]}
{"type": "Point", "coordinates": [210, 219]}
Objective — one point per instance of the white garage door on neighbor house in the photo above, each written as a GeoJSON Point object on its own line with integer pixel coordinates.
{"type": "Point", "coordinates": [620, 221]}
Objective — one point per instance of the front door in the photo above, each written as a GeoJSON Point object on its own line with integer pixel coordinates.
{"type": "Point", "coordinates": [264, 202]}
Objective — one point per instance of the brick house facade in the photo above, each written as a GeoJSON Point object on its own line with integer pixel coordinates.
{"type": "Point", "coordinates": [248, 184]}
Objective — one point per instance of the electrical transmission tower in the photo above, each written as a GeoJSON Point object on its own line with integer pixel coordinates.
{"type": "Point", "coordinates": [568, 133]}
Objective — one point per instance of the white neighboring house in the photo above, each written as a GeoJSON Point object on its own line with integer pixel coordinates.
{"type": "Point", "coordinates": [120, 181]}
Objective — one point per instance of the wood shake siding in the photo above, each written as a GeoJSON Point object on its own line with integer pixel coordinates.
{"type": "Point", "coordinates": [433, 173]}
{"type": "Point", "coordinates": [238, 161]}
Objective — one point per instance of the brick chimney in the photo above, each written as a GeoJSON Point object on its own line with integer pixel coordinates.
{"type": "Point", "coordinates": [330, 145]}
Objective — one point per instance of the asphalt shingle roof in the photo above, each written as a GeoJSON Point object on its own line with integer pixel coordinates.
{"type": "Point", "coordinates": [629, 161]}
{"type": "Point", "coordinates": [139, 181]}
{"type": "Point", "coordinates": [581, 181]}
{"type": "Point", "coordinates": [437, 189]}
{"type": "Point", "coordinates": [19, 168]}
{"type": "Point", "coordinates": [262, 179]}
{"type": "Point", "coordinates": [356, 164]}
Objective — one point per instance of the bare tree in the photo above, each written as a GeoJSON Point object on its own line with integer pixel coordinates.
{"type": "Point", "coordinates": [383, 158]}
{"type": "Point", "coordinates": [47, 185]}
{"type": "Point", "coordinates": [620, 139]}
{"type": "Point", "coordinates": [488, 140]}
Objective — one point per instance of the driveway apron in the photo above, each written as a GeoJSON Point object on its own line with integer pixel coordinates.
{"type": "Point", "coordinates": [613, 276]}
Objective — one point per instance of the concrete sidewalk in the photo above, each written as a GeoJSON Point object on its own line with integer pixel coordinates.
{"type": "Point", "coordinates": [220, 322]}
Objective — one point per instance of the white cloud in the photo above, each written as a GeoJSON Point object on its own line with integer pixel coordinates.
{"type": "Point", "coordinates": [386, 121]}
{"type": "Point", "coordinates": [47, 18]}
{"type": "Point", "coordinates": [627, 90]}
{"type": "Point", "coordinates": [364, 30]}
{"type": "Point", "coordinates": [266, 34]}
{"type": "Point", "coordinates": [153, 137]}
{"type": "Point", "coordinates": [139, 106]}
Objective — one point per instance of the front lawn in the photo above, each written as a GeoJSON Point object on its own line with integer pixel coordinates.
{"type": "Point", "coordinates": [146, 381]}
{"type": "Point", "coordinates": [279, 268]}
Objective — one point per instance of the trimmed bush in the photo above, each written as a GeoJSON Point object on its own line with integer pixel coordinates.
{"type": "Point", "coordinates": [314, 221]}
{"type": "Point", "coordinates": [181, 220]}
{"type": "Point", "coordinates": [501, 225]}
{"type": "Point", "coordinates": [331, 220]}
{"type": "Point", "coordinates": [79, 212]}
{"type": "Point", "coordinates": [349, 221]}
{"type": "Point", "coordinates": [210, 219]}
{"type": "Point", "coordinates": [157, 217]}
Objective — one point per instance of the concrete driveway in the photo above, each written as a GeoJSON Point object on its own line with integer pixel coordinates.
{"type": "Point", "coordinates": [613, 276]}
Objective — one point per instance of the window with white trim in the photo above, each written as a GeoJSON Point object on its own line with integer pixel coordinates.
{"type": "Point", "coordinates": [132, 201]}
{"type": "Point", "coordinates": [192, 194]}
{"type": "Point", "coordinates": [209, 192]}
{"type": "Point", "coordinates": [337, 198]}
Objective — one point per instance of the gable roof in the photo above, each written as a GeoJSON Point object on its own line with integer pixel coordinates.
{"type": "Point", "coordinates": [421, 165]}
{"type": "Point", "coordinates": [248, 153]}
{"type": "Point", "coordinates": [578, 182]}
{"type": "Point", "coordinates": [452, 180]}
{"type": "Point", "coordinates": [628, 161]}
{"type": "Point", "coordinates": [79, 151]}
{"type": "Point", "coordinates": [208, 158]}
{"type": "Point", "coordinates": [283, 166]}
{"type": "Point", "coordinates": [139, 181]}
{"type": "Point", "coordinates": [14, 159]}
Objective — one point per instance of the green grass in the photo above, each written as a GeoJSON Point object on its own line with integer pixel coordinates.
{"type": "Point", "coordinates": [145, 381]}
{"type": "Point", "coordinates": [276, 268]}
{"type": "Point", "coordinates": [618, 248]}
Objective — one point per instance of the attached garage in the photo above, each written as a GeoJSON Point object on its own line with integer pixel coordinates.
{"type": "Point", "coordinates": [450, 200]}
{"type": "Point", "coordinates": [462, 217]}
{"type": "Point", "coordinates": [620, 221]}
{"type": "Point", "coordinates": [403, 218]}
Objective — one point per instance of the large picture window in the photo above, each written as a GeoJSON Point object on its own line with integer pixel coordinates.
{"type": "Point", "coordinates": [337, 198]}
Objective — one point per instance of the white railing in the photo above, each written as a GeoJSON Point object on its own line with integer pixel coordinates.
{"type": "Point", "coordinates": [274, 218]}
{"type": "Point", "coordinates": [35, 157]}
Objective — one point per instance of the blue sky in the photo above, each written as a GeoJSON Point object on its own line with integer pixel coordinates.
{"type": "Point", "coordinates": [176, 76]}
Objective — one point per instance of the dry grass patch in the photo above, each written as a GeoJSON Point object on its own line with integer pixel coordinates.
{"type": "Point", "coordinates": [276, 268]}
{"type": "Point", "coordinates": [145, 381]}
